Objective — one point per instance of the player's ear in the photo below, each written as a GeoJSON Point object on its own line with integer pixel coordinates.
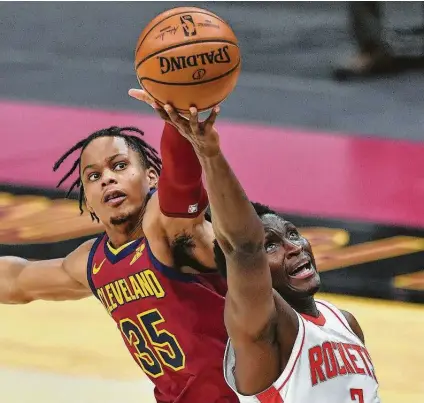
{"type": "Point", "coordinates": [152, 178]}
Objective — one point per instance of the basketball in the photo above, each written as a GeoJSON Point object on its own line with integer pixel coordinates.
{"type": "Point", "coordinates": [188, 56]}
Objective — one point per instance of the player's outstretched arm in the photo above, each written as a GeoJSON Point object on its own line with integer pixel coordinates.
{"type": "Point", "coordinates": [237, 228]}
{"type": "Point", "coordinates": [23, 281]}
{"type": "Point", "coordinates": [250, 309]}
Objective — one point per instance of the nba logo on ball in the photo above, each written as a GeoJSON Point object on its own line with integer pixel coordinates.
{"type": "Point", "coordinates": [192, 208]}
{"type": "Point", "coordinates": [188, 25]}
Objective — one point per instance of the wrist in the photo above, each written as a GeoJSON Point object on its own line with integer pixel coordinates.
{"type": "Point", "coordinates": [209, 158]}
{"type": "Point", "coordinates": [207, 148]}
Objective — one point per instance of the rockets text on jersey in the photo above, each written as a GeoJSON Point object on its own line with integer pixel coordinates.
{"type": "Point", "coordinates": [328, 363]}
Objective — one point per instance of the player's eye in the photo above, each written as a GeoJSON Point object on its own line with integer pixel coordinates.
{"type": "Point", "coordinates": [293, 235]}
{"type": "Point", "coordinates": [270, 247]}
{"type": "Point", "coordinates": [93, 176]}
{"type": "Point", "coordinates": [120, 166]}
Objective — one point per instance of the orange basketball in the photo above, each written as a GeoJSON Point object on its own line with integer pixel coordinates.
{"type": "Point", "coordinates": [188, 56]}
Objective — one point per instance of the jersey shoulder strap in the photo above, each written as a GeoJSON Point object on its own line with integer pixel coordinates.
{"type": "Point", "coordinates": [331, 309]}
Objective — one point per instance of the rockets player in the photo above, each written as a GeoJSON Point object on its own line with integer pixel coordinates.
{"type": "Point", "coordinates": [284, 346]}
{"type": "Point", "coordinates": [171, 321]}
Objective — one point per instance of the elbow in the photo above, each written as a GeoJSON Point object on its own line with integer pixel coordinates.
{"type": "Point", "coordinates": [250, 241]}
{"type": "Point", "coordinates": [249, 248]}
{"type": "Point", "coordinates": [242, 249]}
{"type": "Point", "coordinates": [15, 298]}
{"type": "Point", "coordinates": [14, 295]}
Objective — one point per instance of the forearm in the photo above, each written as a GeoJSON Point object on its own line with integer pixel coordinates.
{"type": "Point", "coordinates": [233, 216]}
{"type": "Point", "coordinates": [23, 281]}
{"type": "Point", "coordinates": [181, 191]}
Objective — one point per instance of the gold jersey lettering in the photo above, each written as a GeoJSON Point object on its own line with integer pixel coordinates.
{"type": "Point", "coordinates": [144, 284]}
{"type": "Point", "coordinates": [154, 283]}
{"type": "Point", "coordinates": [126, 290]}
{"type": "Point", "coordinates": [117, 292]}
{"type": "Point", "coordinates": [112, 305]}
{"type": "Point", "coordinates": [136, 287]}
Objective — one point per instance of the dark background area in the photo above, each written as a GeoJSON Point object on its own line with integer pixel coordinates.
{"type": "Point", "coordinates": [81, 53]}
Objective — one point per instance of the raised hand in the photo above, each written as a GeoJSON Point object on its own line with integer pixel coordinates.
{"type": "Point", "coordinates": [143, 96]}
{"type": "Point", "coordinates": [202, 135]}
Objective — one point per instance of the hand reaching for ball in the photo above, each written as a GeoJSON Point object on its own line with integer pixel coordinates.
{"type": "Point", "coordinates": [202, 135]}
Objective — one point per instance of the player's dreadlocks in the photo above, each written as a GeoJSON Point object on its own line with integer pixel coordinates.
{"type": "Point", "coordinates": [148, 155]}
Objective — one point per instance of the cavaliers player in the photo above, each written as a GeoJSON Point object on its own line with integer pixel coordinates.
{"type": "Point", "coordinates": [284, 346]}
{"type": "Point", "coordinates": [171, 321]}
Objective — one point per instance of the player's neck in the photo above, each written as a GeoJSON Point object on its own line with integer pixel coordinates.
{"type": "Point", "coordinates": [117, 239]}
{"type": "Point", "coordinates": [123, 233]}
{"type": "Point", "coordinates": [305, 305]}
{"type": "Point", "coordinates": [129, 229]}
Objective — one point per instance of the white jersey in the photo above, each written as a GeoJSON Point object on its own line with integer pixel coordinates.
{"type": "Point", "coordinates": [328, 363]}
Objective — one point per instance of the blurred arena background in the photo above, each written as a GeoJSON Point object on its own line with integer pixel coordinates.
{"type": "Point", "coordinates": [343, 160]}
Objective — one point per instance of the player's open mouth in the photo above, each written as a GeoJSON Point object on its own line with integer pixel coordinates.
{"type": "Point", "coordinates": [304, 270]}
{"type": "Point", "coordinates": [114, 198]}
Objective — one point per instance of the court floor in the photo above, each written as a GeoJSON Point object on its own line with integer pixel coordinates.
{"type": "Point", "coordinates": [70, 352]}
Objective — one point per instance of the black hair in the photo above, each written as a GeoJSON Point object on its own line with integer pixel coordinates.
{"type": "Point", "coordinates": [148, 156]}
{"type": "Point", "coordinates": [220, 261]}
{"type": "Point", "coordinates": [182, 249]}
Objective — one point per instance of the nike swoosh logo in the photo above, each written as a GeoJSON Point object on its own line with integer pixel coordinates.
{"type": "Point", "coordinates": [96, 269]}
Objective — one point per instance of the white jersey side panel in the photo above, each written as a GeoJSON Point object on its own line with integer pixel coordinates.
{"type": "Point", "coordinates": [329, 363]}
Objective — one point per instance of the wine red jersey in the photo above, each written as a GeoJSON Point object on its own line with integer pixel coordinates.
{"type": "Point", "coordinates": [172, 323]}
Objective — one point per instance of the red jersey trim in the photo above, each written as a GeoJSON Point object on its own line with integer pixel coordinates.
{"type": "Point", "coordinates": [271, 395]}
{"type": "Point", "coordinates": [338, 317]}
{"type": "Point", "coordinates": [319, 321]}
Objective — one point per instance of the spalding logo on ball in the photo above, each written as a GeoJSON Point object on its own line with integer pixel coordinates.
{"type": "Point", "coordinates": [188, 56]}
